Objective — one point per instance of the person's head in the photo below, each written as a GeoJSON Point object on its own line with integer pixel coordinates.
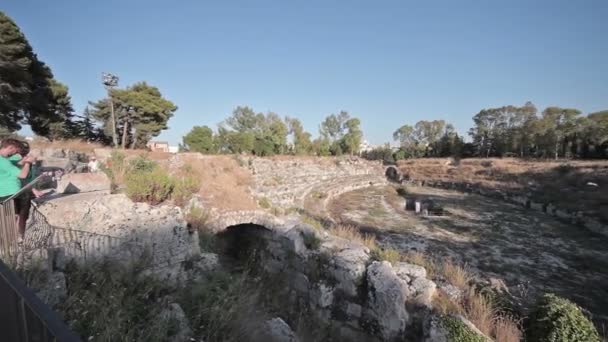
{"type": "Point", "coordinates": [9, 147]}
{"type": "Point", "coordinates": [25, 149]}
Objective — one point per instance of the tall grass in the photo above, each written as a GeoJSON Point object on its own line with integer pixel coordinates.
{"type": "Point", "coordinates": [353, 234]}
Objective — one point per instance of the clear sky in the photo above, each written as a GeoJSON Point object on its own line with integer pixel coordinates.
{"type": "Point", "coordinates": [387, 62]}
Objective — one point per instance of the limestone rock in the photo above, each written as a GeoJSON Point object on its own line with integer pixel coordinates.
{"type": "Point", "coordinates": [424, 290]}
{"type": "Point", "coordinates": [279, 331]}
{"type": "Point", "coordinates": [175, 315]}
{"type": "Point", "coordinates": [347, 262]}
{"type": "Point", "coordinates": [387, 294]}
{"type": "Point", "coordinates": [83, 182]}
{"type": "Point", "coordinates": [410, 270]}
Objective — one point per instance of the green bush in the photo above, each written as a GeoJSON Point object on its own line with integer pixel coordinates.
{"type": "Point", "coordinates": [142, 163]}
{"type": "Point", "coordinates": [152, 187]}
{"type": "Point", "coordinates": [557, 319]}
{"type": "Point", "coordinates": [457, 331]}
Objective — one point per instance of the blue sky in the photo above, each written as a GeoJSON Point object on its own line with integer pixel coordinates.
{"type": "Point", "coordinates": [386, 62]}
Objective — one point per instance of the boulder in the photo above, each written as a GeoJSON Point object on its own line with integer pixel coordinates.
{"type": "Point", "coordinates": [387, 294]}
{"type": "Point", "coordinates": [83, 182]}
{"type": "Point", "coordinates": [278, 331]}
{"type": "Point", "coordinates": [346, 264]}
{"type": "Point", "coordinates": [406, 270]}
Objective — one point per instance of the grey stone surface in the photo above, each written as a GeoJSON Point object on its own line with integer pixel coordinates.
{"type": "Point", "coordinates": [410, 270]}
{"type": "Point", "coordinates": [279, 331]}
{"type": "Point", "coordinates": [387, 294]}
{"type": "Point", "coordinates": [83, 182]}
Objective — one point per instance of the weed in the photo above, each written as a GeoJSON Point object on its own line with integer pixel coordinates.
{"type": "Point", "coordinates": [479, 311]}
{"type": "Point", "coordinates": [507, 329]}
{"type": "Point", "coordinates": [387, 254]}
{"type": "Point", "coordinates": [455, 274]}
{"type": "Point", "coordinates": [351, 233]}
{"type": "Point", "coordinates": [311, 241]}
{"type": "Point", "coordinates": [313, 222]}
{"type": "Point", "coordinates": [185, 186]}
{"type": "Point", "coordinates": [264, 202]}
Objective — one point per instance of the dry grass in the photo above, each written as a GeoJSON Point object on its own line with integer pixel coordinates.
{"type": "Point", "coordinates": [507, 329]}
{"type": "Point", "coordinates": [353, 234]}
{"type": "Point", "coordinates": [418, 258]}
{"type": "Point", "coordinates": [455, 274]}
{"type": "Point", "coordinates": [547, 179]}
{"type": "Point", "coordinates": [480, 312]}
{"type": "Point", "coordinates": [224, 184]}
{"type": "Point", "coordinates": [387, 254]}
{"type": "Point", "coordinates": [74, 145]}
{"type": "Point", "coordinates": [444, 305]}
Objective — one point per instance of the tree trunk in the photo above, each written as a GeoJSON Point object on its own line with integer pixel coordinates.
{"type": "Point", "coordinates": [125, 132]}
{"type": "Point", "coordinates": [134, 143]}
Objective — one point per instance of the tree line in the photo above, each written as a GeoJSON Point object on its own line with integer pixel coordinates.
{"type": "Point", "coordinates": [246, 131]}
{"type": "Point", "coordinates": [30, 95]}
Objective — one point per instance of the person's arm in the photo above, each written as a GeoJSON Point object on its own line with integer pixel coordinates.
{"type": "Point", "coordinates": [25, 170]}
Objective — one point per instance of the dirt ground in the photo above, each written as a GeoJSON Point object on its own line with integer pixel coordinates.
{"type": "Point", "coordinates": [530, 251]}
{"type": "Point", "coordinates": [575, 185]}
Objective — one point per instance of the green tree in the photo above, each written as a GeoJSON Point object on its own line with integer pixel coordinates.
{"type": "Point", "coordinates": [332, 128]}
{"type": "Point", "coordinates": [352, 139]}
{"type": "Point", "coordinates": [28, 91]}
{"type": "Point", "coordinates": [141, 113]}
{"type": "Point", "coordinates": [558, 124]}
{"type": "Point", "coordinates": [199, 139]}
{"type": "Point", "coordinates": [301, 139]}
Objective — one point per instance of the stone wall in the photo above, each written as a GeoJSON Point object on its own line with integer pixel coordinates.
{"type": "Point", "coordinates": [289, 182]}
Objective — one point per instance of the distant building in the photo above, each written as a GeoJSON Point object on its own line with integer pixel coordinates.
{"type": "Point", "coordinates": [173, 149]}
{"type": "Point", "coordinates": [365, 146]}
{"type": "Point", "coordinates": [158, 146]}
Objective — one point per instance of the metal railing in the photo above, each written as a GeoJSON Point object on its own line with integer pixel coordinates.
{"type": "Point", "coordinates": [23, 317]}
{"type": "Point", "coordinates": [9, 236]}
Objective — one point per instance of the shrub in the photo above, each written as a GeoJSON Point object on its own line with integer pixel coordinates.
{"type": "Point", "coordinates": [109, 301]}
{"type": "Point", "coordinates": [455, 274]}
{"type": "Point", "coordinates": [457, 331]}
{"type": "Point", "coordinates": [480, 311]}
{"type": "Point", "coordinates": [142, 163]}
{"type": "Point", "coordinates": [151, 187]}
{"type": "Point", "coordinates": [116, 168]}
{"type": "Point", "coordinates": [184, 188]}
{"type": "Point", "coordinates": [557, 319]}
{"type": "Point", "coordinates": [506, 329]}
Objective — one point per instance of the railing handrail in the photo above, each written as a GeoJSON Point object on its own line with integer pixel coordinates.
{"type": "Point", "coordinates": [28, 186]}
{"type": "Point", "coordinates": [42, 311]}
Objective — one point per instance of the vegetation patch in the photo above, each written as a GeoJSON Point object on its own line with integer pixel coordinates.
{"type": "Point", "coordinates": [457, 331]}
{"type": "Point", "coordinates": [152, 187]}
{"type": "Point", "coordinates": [557, 319]}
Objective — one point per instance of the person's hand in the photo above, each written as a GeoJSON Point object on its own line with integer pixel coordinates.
{"type": "Point", "coordinates": [29, 159]}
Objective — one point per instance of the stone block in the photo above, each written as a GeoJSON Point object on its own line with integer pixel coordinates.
{"type": "Point", "coordinates": [83, 182]}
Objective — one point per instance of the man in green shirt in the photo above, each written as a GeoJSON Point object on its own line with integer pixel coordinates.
{"type": "Point", "coordinates": [11, 175]}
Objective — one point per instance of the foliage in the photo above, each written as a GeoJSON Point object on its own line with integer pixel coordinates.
{"type": "Point", "coordinates": [114, 302]}
{"type": "Point", "coordinates": [457, 331]}
{"type": "Point", "coordinates": [221, 308]}
{"type": "Point", "coordinates": [142, 164]}
{"type": "Point", "coordinates": [141, 113]}
{"type": "Point", "coordinates": [116, 168]}
{"type": "Point", "coordinates": [152, 187]}
{"type": "Point", "coordinates": [30, 94]}
{"type": "Point", "coordinates": [199, 139]}
{"type": "Point", "coordinates": [313, 222]}
{"type": "Point", "coordinates": [557, 319]}
{"type": "Point", "coordinates": [183, 189]}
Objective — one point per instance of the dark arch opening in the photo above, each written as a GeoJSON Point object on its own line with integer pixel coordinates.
{"type": "Point", "coordinates": [242, 245]}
